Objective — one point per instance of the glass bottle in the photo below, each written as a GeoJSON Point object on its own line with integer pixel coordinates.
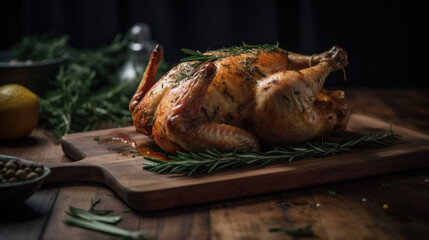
{"type": "Point", "coordinates": [140, 47]}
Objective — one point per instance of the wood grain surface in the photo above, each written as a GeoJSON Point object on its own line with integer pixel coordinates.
{"type": "Point", "coordinates": [147, 191]}
{"type": "Point", "coordinates": [342, 216]}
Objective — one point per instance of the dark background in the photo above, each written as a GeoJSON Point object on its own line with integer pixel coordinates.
{"type": "Point", "coordinates": [387, 41]}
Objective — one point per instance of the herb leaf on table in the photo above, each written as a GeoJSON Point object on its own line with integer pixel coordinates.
{"type": "Point", "coordinates": [96, 222]}
{"type": "Point", "coordinates": [305, 231]}
{"type": "Point", "coordinates": [98, 211]}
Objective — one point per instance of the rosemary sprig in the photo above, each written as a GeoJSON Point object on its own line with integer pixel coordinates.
{"type": "Point", "coordinates": [198, 56]}
{"type": "Point", "coordinates": [212, 160]}
{"type": "Point", "coordinates": [210, 56]}
{"type": "Point", "coordinates": [249, 48]}
{"type": "Point", "coordinates": [305, 231]}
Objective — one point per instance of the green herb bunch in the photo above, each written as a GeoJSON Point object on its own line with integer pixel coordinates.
{"type": "Point", "coordinates": [86, 91]}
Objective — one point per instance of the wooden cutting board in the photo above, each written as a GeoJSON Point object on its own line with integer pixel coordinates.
{"type": "Point", "coordinates": [112, 164]}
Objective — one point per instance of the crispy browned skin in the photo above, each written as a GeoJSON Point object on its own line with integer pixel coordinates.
{"type": "Point", "coordinates": [237, 101]}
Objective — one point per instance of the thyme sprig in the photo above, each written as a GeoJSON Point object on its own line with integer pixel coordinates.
{"type": "Point", "coordinates": [211, 56]}
{"type": "Point", "coordinates": [190, 163]}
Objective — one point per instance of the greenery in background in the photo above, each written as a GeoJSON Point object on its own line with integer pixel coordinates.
{"type": "Point", "coordinates": [87, 90]}
{"type": "Point", "coordinates": [38, 49]}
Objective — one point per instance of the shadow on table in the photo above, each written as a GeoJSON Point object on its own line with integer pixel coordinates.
{"type": "Point", "coordinates": [27, 220]}
{"type": "Point", "coordinates": [19, 213]}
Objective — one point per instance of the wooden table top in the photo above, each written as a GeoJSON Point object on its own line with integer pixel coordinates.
{"type": "Point", "coordinates": [354, 212]}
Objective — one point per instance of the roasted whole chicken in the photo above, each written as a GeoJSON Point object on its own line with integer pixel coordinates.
{"type": "Point", "coordinates": [239, 98]}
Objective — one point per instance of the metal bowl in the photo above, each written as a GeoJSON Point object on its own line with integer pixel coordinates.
{"type": "Point", "coordinates": [35, 75]}
{"type": "Point", "coordinates": [17, 192]}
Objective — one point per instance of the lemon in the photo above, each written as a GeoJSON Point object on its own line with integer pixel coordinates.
{"type": "Point", "coordinates": [19, 111]}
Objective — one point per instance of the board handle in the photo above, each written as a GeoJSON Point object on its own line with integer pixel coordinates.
{"type": "Point", "coordinates": [72, 151]}
{"type": "Point", "coordinates": [72, 172]}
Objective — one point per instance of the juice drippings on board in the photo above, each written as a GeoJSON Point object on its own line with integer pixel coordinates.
{"type": "Point", "coordinates": [149, 148]}
{"type": "Point", "coordinates": [126, 146]}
